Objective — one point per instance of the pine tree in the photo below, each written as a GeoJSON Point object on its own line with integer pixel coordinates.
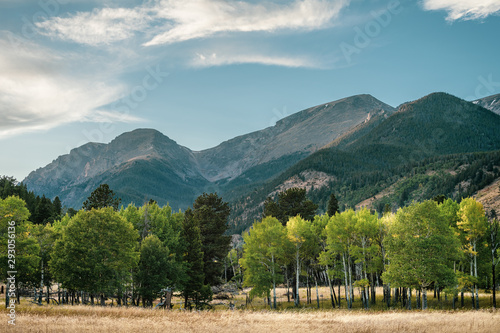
{"type": "Point", "coordinates": [333, 205]}
{"type": "Point", "coordinates": [212, 214]}
{"type": "Point", "coordinates": [44, 211]}
{"type": "Point", "coordinates": [57, 209]}
{"type": "Point", "coordinates": [291, 203]}
{"type": "Point", "coordinates": [102, 197]}
{"type": "Point", "coordinates": [193, 289]}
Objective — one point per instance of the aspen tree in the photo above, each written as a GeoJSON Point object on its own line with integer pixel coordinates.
{"type": "Point", "coordinates": [473, 222]}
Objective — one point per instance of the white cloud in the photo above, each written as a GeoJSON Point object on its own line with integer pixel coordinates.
{"type": "Point", "coordinates": [464, 9]}
{"type": "Point", "coordinates": [38, 93]}
{"type": "Point", "coordinates": [191, 19]}
{"type": "Point", "coordinates": [215, 59]}
{"type": "Point", "coordinates": [101, 26]}
{"type": "Point", "coordinates": [171, 21]}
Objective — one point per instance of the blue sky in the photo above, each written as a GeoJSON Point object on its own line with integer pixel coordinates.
{"type": "Point", "coordinates": [204, 71]}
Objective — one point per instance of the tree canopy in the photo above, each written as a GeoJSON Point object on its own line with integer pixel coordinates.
{"type": "Point", "coordinates": [96, 252]}
{"type": "Point", "coordinates": [421, 247]}
{"type": "Point", "coordinates": [101, 197]}
{"type": "Point", "coordinates": [212, 213]}
{"type": "Point", "coordinates": [290, 203]}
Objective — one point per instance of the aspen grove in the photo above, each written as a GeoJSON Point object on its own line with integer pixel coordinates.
{"type": "Point", "coordinates": [425, 246]}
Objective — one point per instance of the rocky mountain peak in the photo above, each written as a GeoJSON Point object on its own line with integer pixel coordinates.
{"type": "Point", "coordinates": [491, 103]}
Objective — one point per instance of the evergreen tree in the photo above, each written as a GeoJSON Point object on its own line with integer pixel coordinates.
{"type": "Point", "coordinates": [194, 289]}
{"type": "Point", "coordinates": [44, 211]}
{"type": "Point", "coordinates": [212, 214]}
{"type": "Point", "coordinates": [439, 198]}
{"type": "Point", "coordinates": [57, 209]}
{"type": "Point", "coordinates": [291, 203]}
{"type": "Point", "coordinates": [333, 205]}
{"type": "Point", "coordinates": [7, 186]}
{"type": "Point", "coordinates": [102, 197]}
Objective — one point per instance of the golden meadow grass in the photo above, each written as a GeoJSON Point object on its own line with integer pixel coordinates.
{"type": "Point", "coordinates": [256, 318]}
{"type": "Point", "coordinates": [51, 318]}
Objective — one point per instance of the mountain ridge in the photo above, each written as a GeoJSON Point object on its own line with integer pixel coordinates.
{"type": "Point", "coordinates": [344, 141]}
{"type": "Point", "coordinates": [433, 126]}
{"type": "Point", "coordinates": [288, 135]}
{"type": "Point", "coordinates": [281, 145]}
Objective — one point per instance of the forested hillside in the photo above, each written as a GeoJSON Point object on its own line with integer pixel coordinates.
{"type": "Point", "coordinates": [425, 149]}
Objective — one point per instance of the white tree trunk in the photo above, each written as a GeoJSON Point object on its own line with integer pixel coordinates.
{"type": "Point", "coordinates": [351, 288]}
{"type": "Point", "coordinates": [274, 282]}
{"type": "Point", "coordinates": [472, 274]}
{"type": "Point", "coordinates": [347, 289]}
{"type": "Point", "coordinates": [297, 298]}
{"type": "Point", "coordinates": [475, 275]}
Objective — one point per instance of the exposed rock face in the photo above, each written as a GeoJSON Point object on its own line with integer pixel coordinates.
{"type": "Point", "coordinates": [308, 180]}
{"type": "Point", "coordinates": [490, 197]}
{"type": "Point", "coordinates": [305, 131]}
{"type": "Point", "coordinates": [491, 103]}
{"type": "Point", "coordinates": [145, 164]}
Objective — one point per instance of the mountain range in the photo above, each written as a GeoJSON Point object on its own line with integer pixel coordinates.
{"type": "Point", "coordinates": [358, 147]}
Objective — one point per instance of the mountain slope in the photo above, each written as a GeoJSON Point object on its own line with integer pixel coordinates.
{"type": "Point", "coordinates": [145, 164]}
{"type": "Point", "coordinates": [374, 156]}
{"type": "Point", "coordinates": [299, 134]}
{"type": "Point", "coordinates": [135, 164]}
{"type": "Point", "coordinates": [434, 125]}
{"type": "Point", "coordinates": [358, 147]}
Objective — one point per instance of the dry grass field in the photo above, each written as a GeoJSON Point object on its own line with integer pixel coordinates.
{"type": "Point", "coordinates": [255, 318]}
{"type": "Point", "coordinates": [113, 319]}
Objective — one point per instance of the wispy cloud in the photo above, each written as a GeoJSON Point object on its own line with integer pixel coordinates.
{"type": "Point", "coordinates": [101, 26]}
{"type": "Point", "coordinates": [191, 19]}
{"type": "Point", "coordinates": [173, 21]}
{"type": "Point", "coordinates": [218, 59]}
{"type": "Point", "coordinates": [464, 9]}
{"type": "Point", "coordinates": [37, 93]}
